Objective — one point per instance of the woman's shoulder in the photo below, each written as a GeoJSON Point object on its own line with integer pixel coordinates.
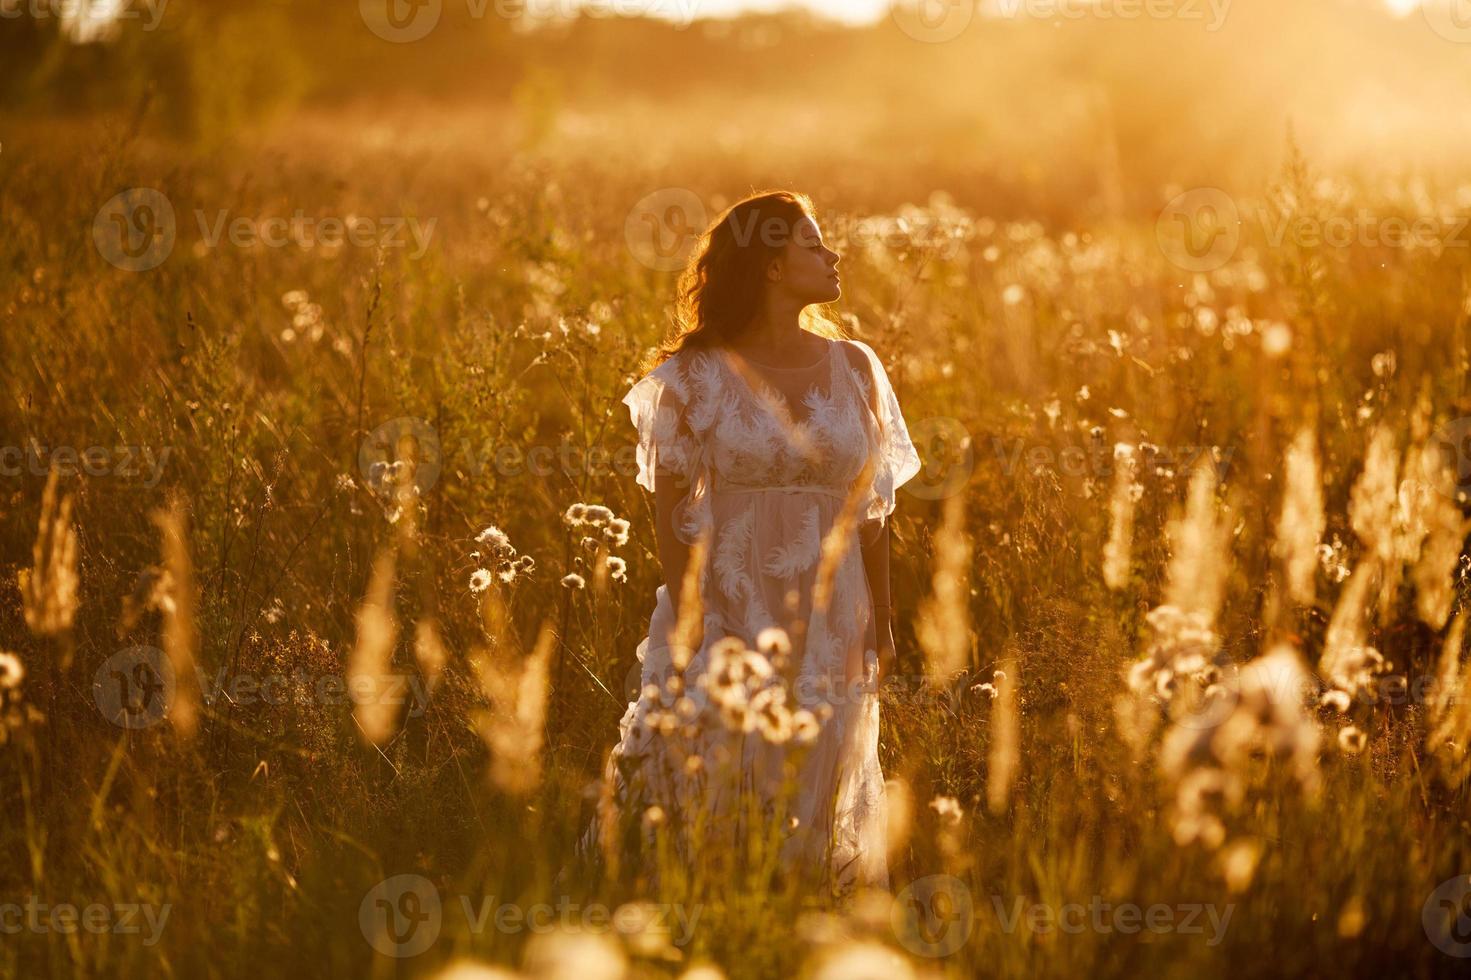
{"type": "Point", "coordinates": [685, 376]}
{"type": "Point", "coordinates": [861, 357]}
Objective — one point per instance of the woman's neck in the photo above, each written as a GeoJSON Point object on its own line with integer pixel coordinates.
{"type": "Point", "coordinates": [779, 327]}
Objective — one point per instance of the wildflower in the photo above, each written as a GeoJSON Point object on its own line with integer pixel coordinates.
{"type": "Point", "coordinates": [732, 665]}
{"type": "Point", "coordinates": [617, 568]}
{"type": "Point", "coordinates": [14, 713]}
{"type": "Point", "coordinates": [738, 717]}
{"type": "Point", "coordinates": [805, 727]}
{"type": "Point", "coordinates": [772, 716]}
{"type": "Point", "coordinates": [479, 580]}
{"type": "Point", "coordinates": [1337, 700]}
{"type": "Point", "coordinates": [12, 671]}
{"type": "Point", "coordinates": [773, 641]}
{"type": "Point", "coordinates": [1238, 864]}
{"type": "Point", "coordinates": [863, 960]}
{"type": "Point", "coordinates": [574, 581]}
{"type": "Point", "coordinates": [948, 808]}
{"type": "Point", "coordinates": [570, 952]}
{"type": "Point", "coordinates": [499, 543]}
{"type": "Point", "coordinates": [617, 531]}
{"type": "Point", "coordinates": [1352, 739]}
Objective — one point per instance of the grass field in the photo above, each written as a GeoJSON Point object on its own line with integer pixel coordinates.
{"type": "Point", "coordinates": [1191, 430]}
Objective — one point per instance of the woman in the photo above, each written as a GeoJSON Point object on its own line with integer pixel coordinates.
{"type": "Point", "coordinates": [774, 448]}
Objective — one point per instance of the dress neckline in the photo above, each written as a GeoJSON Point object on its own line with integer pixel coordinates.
{"type": "Point", "coordinates": [826, 353]}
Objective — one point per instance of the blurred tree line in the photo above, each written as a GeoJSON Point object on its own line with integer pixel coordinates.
{"type": "Point", "coordinates": [205, 67]}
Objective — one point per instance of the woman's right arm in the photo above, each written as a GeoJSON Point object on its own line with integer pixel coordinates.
{"type": "Point", "coordinates": [674, 559]}
{"type": "Point", "coordinates": [673, 553]}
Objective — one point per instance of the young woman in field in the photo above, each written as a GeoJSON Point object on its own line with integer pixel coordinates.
{"type": "Point", "coordinates": [774, 448]}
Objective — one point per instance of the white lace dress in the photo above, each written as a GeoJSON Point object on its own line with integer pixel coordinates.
{"type": "Point", "coordinates": [766, 477]}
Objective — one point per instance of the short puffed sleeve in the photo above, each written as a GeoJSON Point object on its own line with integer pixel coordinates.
{"type": "Point", "coordinates": [658, 403]}
{"type": "Point", "coordinates": [895, 460]}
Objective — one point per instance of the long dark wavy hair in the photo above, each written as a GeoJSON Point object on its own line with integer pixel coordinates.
{"type": "Point", "coordinates": [720, 290]}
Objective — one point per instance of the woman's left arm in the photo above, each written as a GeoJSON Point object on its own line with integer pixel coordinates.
{"type": "Point", "coordinates": [874, 539]}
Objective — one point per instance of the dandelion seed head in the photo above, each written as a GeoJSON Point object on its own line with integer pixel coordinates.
{"type": "Point", "coordinates": [12, 671]}
{"type": "Point", "coordinates": [1352, 739]}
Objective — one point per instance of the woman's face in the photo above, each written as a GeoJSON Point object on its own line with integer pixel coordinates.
{"type": "Point", "coordinates": [807, 268]}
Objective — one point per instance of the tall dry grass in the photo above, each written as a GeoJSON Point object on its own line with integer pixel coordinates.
{"type": "Point", "coordinates": [1245, 523]}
